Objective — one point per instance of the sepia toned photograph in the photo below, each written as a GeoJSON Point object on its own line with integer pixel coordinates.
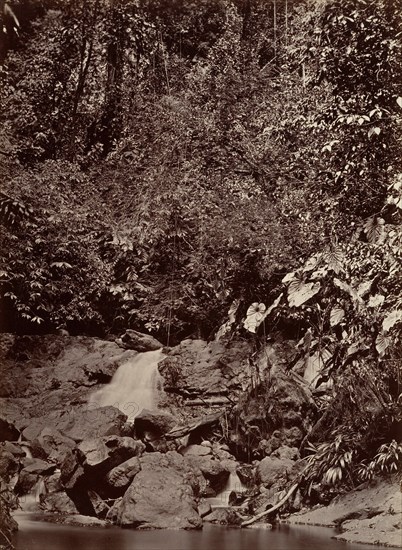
{"type": "Point", "coordinates": [200, 274]}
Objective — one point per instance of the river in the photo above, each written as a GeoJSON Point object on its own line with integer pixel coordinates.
{"type": "Point", "coordinates": [39, 535]}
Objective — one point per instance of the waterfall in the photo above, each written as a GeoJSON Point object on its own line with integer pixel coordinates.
{"type": "Point", "coordinates": [31, 501]}
{"type": "Point", "coordinates": [222, 499]}
{"type": "Point", "coordinates": [134, 386]}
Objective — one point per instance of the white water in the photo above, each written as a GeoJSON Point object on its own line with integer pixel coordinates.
{"type": "Point", "coordinates": [30, 502]}
{"type": "Point", "coordinates": [222, 499]}
{"type": "Point", "coordinates": [135, 386]}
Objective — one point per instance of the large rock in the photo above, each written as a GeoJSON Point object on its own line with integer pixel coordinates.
{"type": "Point", "coordinates": [138, 341]}
{"type": "Point", "coordinates": [153, 423]}
{"type": "Point", "coordinates": [37, 466]}
{"type": "Point", "coordinates": [78, 424]}
{"type": "Point", "coordinates": [212, 469]}
{"type": "Point", "coordinates": [122, 475]}
{"type": "Point", "coordinates": [270, 469]}
{"type": "Point", "coordinates": [104, 453]}
{"type": "Point", "coordinates": [197, 450]}
{"type": "Point", "coordinates": [224, 516]}
{"type": "Point", "coordinates": [54, 444]}
{"type": "Point", "coordinates": [212, 371]}
{"type": "Point", "coordinates": [58, 503]}
{"type": "Point", "coordinates": [161, 495]}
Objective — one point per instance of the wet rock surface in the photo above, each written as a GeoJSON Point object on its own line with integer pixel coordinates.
{"type": "Point", "coordinates": [162, 495]}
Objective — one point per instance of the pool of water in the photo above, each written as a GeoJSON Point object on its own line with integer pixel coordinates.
{"type": "Point", "coordinates": [39, 535]}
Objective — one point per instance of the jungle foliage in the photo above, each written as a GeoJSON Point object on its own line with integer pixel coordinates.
{"type": "Point", "coordinates": [166, 162]}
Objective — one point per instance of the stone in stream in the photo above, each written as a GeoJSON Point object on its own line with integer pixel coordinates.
{"type": "Point", "coordinates": [161, 496]}
{"type": "Point", "coordinates": [58, 503]}
{"type": "Point", "coordinates": [224, 516]}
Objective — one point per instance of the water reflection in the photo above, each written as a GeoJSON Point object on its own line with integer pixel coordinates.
{"type": "Point", "coordinates": [36, 535]}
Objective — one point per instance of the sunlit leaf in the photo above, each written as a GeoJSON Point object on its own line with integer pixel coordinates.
{"type": "Point", "coordinates": [376, 301]}
{"type": "Point", "coordinates": [336, 316]}
{"type": "Point", "coordinates": [289, 277]}
{"type": "Point", "coordinates": [347, 288]}
{"type": "Point", "coordinates": [382, 343]}
{"type": "Point", "coordinates": [374, 229]}
{"type": "Point", "coordinates": [274, 304]}
{"type": "Point", "coordinates": [299, 293]}
{"type": "Point", "coordinates": [391, 320]}
{"type": "Point", "coordinates": [399, 101]}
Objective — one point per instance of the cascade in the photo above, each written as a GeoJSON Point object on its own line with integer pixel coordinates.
{"type": "Point", "coordinates": [222, 499]}
{"type": "Point", "coordinates": [134, 386]}
{"type": "Point", "coordinates": [31, 501]}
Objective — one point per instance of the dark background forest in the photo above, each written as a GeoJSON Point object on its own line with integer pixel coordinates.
{"type": "Point", "coordinates": [163, 161]}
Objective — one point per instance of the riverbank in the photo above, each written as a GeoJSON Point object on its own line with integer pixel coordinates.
{"type": "Point", "coordinates": [371, 514]}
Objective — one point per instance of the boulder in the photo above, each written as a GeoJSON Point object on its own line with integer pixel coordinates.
{"type": "Point", "coordinates": [270, 469]}
{"type": "Point", "coordinates": [13, 448]}
{"type": "Point", "coordinates": [36, 466]}
{"type": "Point", "coordinates": [58, 503]}
{"type": "Point", "coordinates": [78, 424]}
{"type": "Point", "coordinates": [197, 450]}
{"type": "Point", "coordinates": [211, 469]}
{"type": "Point", "coordinates": [8, 432]}
{"type": "Point", "coordinates": [53, 483]}
{"type": "Point", "coordinates": [25, 483]}
{"type": "Point", "coordinates": [122, 475]}
{"type": "Point", "coordinates": [104, 453]}
{"type": "Point", "coordinates": [100, 507]}
{"type": "Point", "coordinates": [246, 473]}
{"type": "Point", "coordinates": [54, 444]}
{"type": "Point", "coordinates": [161, 495]}
{"type": "Point", "coordinates": [224, 516]}
{"type": "Point", "coordinates": [204, 508]}
{"type": "Point", "coordinates": [138, 341]}
{"type": "Point", "coordinates": [285, 452]}
{"type": "Point", "coordinates": [153, 423]}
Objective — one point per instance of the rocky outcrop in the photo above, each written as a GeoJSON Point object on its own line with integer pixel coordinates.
{"type": "Point", "coordinates": [43, 374]}
{"type": "Point", "coordinates": [370, 514]}
{"type": "Point", "coordinates": [161, 496]}
{"type": "Point", "coordinates": [211, 371]}
{"type": "Point", "coordinates": [77, 424]}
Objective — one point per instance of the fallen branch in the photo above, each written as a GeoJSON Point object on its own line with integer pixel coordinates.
{"type": "Point", "coordinates": [273, 509]}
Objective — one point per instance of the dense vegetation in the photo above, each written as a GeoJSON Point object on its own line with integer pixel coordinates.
{"type": "Point", "coordinates": [166, 161]}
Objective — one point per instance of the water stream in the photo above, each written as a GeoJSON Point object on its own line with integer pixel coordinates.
{"type": "Point", "coordinates": [136, 385]}
{"type": "Point", "coordinates": [222, 499]}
